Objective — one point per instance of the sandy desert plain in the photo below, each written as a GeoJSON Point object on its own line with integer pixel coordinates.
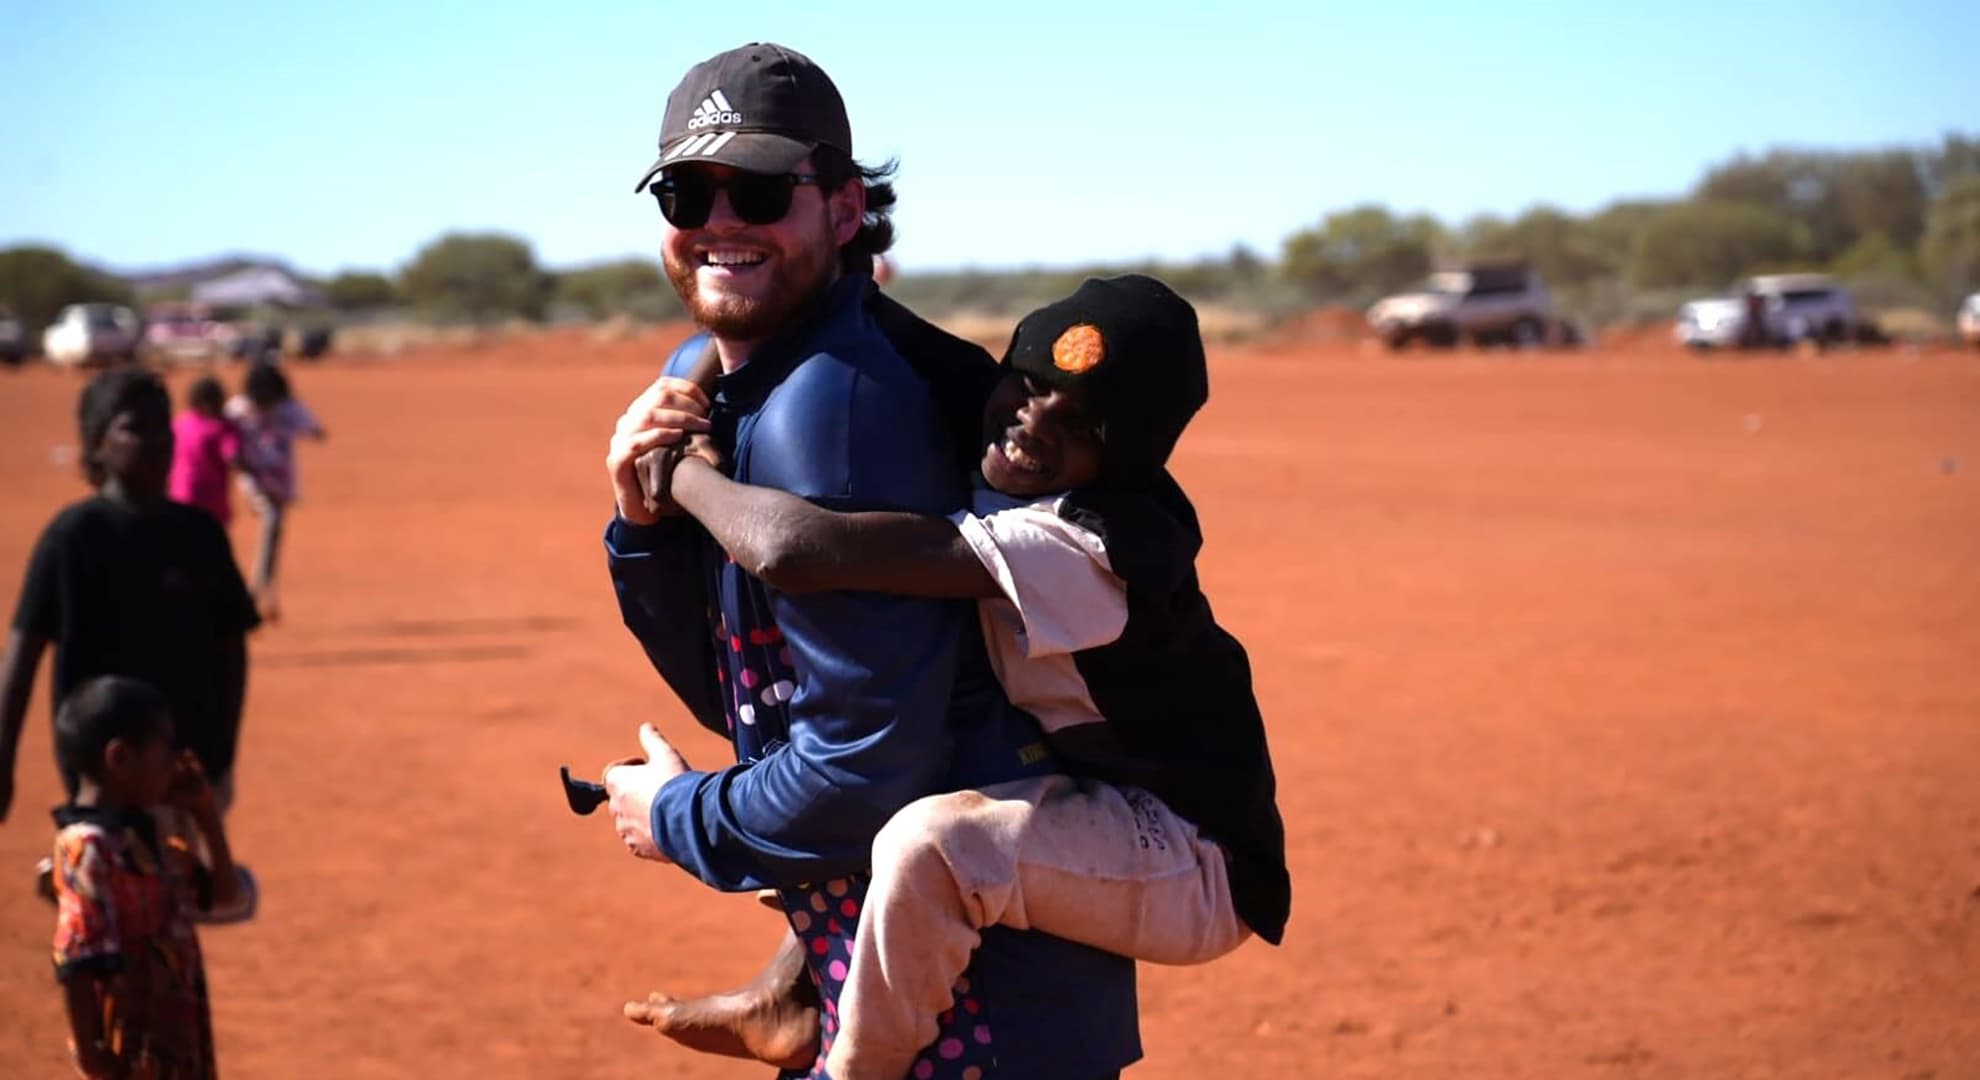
{"type": "Point", "coordinates": [1625, 706]}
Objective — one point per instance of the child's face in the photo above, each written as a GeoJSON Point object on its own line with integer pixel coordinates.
{"type": "Point", "coordinates": [140, 771]}
{"type": "Point", "coordinates": [1040, 439]}
{"type": "Point", "coordinates": [136, 450]}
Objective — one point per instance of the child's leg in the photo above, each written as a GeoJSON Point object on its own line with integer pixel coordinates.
{"type": "Point", "coordinates": [1095, 864]}
{"type": "Point", "coordinates": [272, 515]}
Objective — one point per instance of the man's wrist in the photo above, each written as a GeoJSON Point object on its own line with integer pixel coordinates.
{"type": "Point", "coordinates": [656, 817]}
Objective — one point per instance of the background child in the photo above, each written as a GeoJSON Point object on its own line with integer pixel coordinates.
{"type": "Point", "coordinates": [125, 950]}
{"type": "Point", "coordinates": [270, 419]}
{"type": "Point", "coordinates": [206, 447]}
{"type": "Point", "coordinates": [127, 582]}
{"type": "Point", "coordinates": [1080, 548]}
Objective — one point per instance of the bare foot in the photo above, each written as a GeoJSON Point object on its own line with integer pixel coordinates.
{"type": "Point", "coordinates": [774, 1019]}
{"type": "Point", "coordinates": [776, 1031]}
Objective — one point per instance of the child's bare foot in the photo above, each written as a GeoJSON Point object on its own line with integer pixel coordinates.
{"type": "Point", "coordinates": [740, 1023]}
{"type": "Point", "coordinates": [774, 1019]}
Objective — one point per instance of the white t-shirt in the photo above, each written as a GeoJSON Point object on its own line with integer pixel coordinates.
{"type": "Point", "coordinates": [1060, 596]}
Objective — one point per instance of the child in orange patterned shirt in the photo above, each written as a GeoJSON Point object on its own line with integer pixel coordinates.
{"type": "Point", "coordinates": [125, 951]}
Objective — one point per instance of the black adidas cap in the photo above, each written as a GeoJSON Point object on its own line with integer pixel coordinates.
{"type": "Point", "coordinates": [1133, 348]}
{"type": "Point", "coordinates": [760, 108]}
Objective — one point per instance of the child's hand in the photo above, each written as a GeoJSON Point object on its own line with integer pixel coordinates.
{"type": "Point", "coordinates": [190, 790]}
{"type": "Point", "coordinates": [656, 474]}
{"type": "Point", "coordinates": [660, 417]}
{"type": "Point", "coordinates": [703, 447]}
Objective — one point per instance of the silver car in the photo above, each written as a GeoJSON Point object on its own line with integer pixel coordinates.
{"type": "Point", "coordinates": [1485, 303]}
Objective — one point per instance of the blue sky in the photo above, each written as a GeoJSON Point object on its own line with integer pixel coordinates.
{"type": "Point", "coordinates": [346, 136]}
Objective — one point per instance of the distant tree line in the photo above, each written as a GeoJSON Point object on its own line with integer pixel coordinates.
{"type": "Point", "coordinates": [36, 283]}
{"type": "Point", "coordinates": [483, 277]}
{"type": "Point", "coordinates": [1900, 225]}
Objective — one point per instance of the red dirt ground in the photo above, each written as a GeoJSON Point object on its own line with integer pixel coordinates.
{"type": "Point", "coordinates": [1626, 713]}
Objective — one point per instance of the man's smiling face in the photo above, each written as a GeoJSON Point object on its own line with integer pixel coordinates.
{"type": "Point", "coordinates": [744, 282]}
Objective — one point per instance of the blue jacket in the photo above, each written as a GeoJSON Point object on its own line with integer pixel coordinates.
{"type": "Point", "coordinates": [844, 707]}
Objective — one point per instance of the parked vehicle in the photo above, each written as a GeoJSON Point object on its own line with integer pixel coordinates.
{"type": "Point", "coordinates": [1969, 321]}
{"type": "Point", "coordinates": [187, 332]}
{"type": "Point", "coordinates": [1773, 311]}
{"type": "Point", "coordinates": [92, 333]}
{"type": "Point", "coordinates": [13, 339]}
{"type": "Point", "coordinates": [313, 342]}
{"type": "Point", "coordinates": [1486, 303]}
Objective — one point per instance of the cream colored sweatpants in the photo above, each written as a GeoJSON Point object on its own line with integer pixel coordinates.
{"type": "Point", "coordinates": [1109, 867]}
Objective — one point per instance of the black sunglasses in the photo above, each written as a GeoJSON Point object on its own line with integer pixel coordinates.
{"type": "Point", "coordinates": [687, 197]}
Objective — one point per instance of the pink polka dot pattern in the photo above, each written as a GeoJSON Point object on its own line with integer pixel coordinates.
{"type": "Point", "coordinates": [759, 681]}
{"type": "Point", "coordinates": [824, 918]}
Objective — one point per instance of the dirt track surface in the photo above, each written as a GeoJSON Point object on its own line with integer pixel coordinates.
{"type": "Point", "coordinates": [1625, 706]}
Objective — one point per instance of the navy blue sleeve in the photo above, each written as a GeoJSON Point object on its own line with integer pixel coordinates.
{"type": "Point", "coordinates": [660, 576]}
{"type": "Point", "coordinates": [868, 727]}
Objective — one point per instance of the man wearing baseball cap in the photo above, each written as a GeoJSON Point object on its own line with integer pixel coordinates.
{"type": "Point", "coordinates": [842, 707]}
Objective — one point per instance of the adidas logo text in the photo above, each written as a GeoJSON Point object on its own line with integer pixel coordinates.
{"type": "Point", "coordinates": [714, 109]}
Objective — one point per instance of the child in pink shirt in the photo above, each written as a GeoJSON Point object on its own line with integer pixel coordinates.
{"type": "Point", "coordinates": [206, 446]}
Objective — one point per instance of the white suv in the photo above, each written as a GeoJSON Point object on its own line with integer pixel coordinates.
{"type": "Point", "coordinates": [87, 333]}
{"type": "Point", "coordinates": [1489, 304]}
{"type": "Point", "coordinates": [1793, 308]}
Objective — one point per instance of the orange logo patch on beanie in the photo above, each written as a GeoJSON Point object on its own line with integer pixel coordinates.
{"type": "Point", "coordinates": [1079, 348]}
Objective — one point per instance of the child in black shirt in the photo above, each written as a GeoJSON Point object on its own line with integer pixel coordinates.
{"type": "Point", "coordinates": [127, 582]}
